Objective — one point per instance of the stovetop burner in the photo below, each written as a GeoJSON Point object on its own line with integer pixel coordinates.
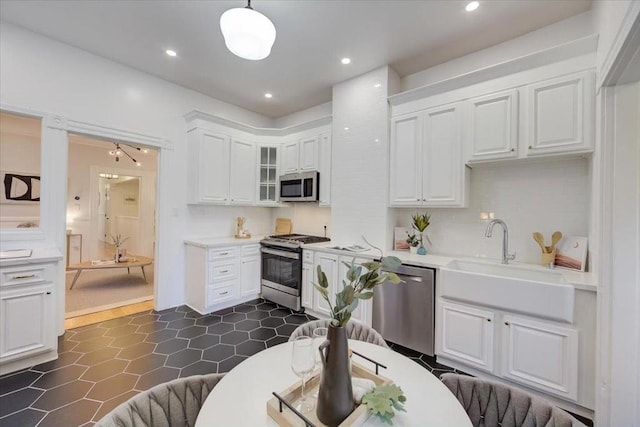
{"type": "Point", "coordinates": [294, 239]}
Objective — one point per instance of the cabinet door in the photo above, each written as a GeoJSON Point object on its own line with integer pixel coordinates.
{"type": "Point", "coordinates": [212, 152]}
{"type": "Point", "coordinates": [406, 161]}
{"type": "Point", "coordinates": [25, 321]}
{"type": "Point", "coordinates": [363, 312]}
{"type": "Point", "coordinates": [243, 178]}
{"type": "Point", "coordinates": [309, 154]}
{"type": "Point", "coordinates": [329, 264]}
{"type": "Point", "coordinates": [308, 291]}
{"type": "Point", "coordinates": [250, 276]}
{"type": "Point", "coordinates": [560, 115]}
{"type": "Point", "coordinates": [467, 335]}
{"type": "Point", "coordinates": [443, 182]}
{"type": "Point", "coordinates": [267, 189]}
{"type": "Point", "coordinates": [290, 157]}
{"type": "Point", "coordinates": [493, 131]}
{"type": "Point", "coordinates": [325, 169]}
{"type": "Point", "coordinates": [541, 355]}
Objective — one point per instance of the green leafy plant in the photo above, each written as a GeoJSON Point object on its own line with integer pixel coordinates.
{"type": "Point", "coordinates": [421, 221]}
{"type": "Point", "coordinates": [359, 284]}
{"type": "Point", "coordinates": [118, 240]}
{"type": "Point", "coordinates": [382, 401]}
{"type": "Point", "coordinates": [412, 240]}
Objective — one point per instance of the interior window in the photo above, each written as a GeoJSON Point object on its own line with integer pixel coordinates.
{"type": "Point", "coordinates": [20, 138]}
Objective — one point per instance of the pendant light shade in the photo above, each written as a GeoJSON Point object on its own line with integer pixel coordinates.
{"type": "Point", "coordinates": [247, 33]}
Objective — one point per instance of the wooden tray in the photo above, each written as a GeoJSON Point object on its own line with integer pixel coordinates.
{"type": "Point", "coordinates": [288, 418]}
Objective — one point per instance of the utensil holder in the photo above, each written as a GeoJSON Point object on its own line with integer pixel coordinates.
{"type": "Point", "coordinates": [548, 258]}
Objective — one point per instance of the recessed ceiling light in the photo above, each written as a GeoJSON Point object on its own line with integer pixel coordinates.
{"type": "Point", "coordinates": [268, 95]}
{"type": "Point", "coordinates": [346, 61]}
{"type": "Point", "coordinates": [347, 129]}
{"type": "Point", "coordinates": [377, 85]}
{"type": "Point", "coordinates": [171, 52]}
{"type": "Point", "coordinates": [472, 6]}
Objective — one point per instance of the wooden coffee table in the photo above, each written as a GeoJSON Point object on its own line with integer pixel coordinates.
{"type": "Point", "coordinates": [136, 261]}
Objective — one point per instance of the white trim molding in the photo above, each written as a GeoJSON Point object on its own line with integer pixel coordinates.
{"type": "Point", "coordinates": [624, 43]}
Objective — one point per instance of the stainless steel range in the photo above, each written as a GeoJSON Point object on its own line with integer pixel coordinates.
{"type": "Point", "coordinates": [282, 268]}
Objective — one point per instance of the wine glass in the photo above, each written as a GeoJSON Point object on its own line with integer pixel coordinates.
{"type": "Point", "coordinates": [302, 364]}
{"type": "Point", "coordinates": [319, 336]}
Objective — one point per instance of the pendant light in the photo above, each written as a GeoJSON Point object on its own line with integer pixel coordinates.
{"type": "Point", "coordinates": [247, 33]}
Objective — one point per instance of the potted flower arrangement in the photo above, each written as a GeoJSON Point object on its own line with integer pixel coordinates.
{"type": "Point", "coordinates": [420, 224]}
{"type": "Point", "coordinates": [120, 253]}
{"type": "Point", "coordinates": [335, 396]}
{"type": "Point", "coordinates": [413, 242]}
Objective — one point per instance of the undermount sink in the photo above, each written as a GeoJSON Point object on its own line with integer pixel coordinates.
{"type": "Point", "coordinates": [514, 288]}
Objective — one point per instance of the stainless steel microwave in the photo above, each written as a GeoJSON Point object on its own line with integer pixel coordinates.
{"type": "Point", "coordinates": [300, 187]}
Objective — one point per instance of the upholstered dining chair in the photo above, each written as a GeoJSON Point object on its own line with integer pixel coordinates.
{"type": "Point", "coordinates": [172, 404]}
{"type": "Point", "coordinates": [355, 331]}
{"type": "Point", "coordinates": [490, 404]}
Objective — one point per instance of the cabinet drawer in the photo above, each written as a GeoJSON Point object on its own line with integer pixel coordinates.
{"type": "Point", "coordinates": [250, 250]}
{"type": "Point", "coordinates": [307, 256]}
{"type": "Point", "coordinates": [222, 253]}
{"type": "Point", "coordinates": [22, 275]}
{"type": "Point", "coordinates": [223, 270]}
{"type": "Point", "coordinates": [217, 294]}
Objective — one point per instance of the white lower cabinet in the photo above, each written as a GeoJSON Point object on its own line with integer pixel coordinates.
{"type": "Point", "coordinates": [220, 277]}
{"type": "Point", "coordinates": [363, 312]}
{"type": "Point", "coordinates": [329, 265]}
{"type": "Point", "coordinates": [534, 352]}
{"type": "Point", "coordinates": [540, 355]}
{"type": "Point", "coordinates": [467, 335]}
{"type": "Point", "coordinates": [308, 291]}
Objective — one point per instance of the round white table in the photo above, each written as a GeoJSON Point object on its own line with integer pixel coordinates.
{"type": "Point", "coordinates": [240, 398]}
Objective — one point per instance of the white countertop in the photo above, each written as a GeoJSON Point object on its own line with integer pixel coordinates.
{"type": "Point", "coordinates": [214, 242]}
{"type": "Point", "coordinates": [37, 256]}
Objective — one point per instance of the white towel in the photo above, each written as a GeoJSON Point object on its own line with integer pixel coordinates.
{"type": "Point", "coordinates": [361, 386]}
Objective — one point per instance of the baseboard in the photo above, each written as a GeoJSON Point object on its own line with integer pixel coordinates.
{"type": "Point", "coordinates": [106, 307]}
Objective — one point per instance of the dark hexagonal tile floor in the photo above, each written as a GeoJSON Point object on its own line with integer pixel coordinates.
{"type": "Point", "coordinates": [102, 365]}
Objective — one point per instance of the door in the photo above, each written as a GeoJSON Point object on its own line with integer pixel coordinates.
{"type": "Point", "coordinates": [406, 161]}
{"type": "Point", "coordinates": [443, 168]}
{"type": "Point", "coordinates": [309, 154]}
{"type": "Point", "coordinates": [243, 181]}
{"type": "Point", "coordinates": [290, 158]}
{"type": "Point", "coordinates": [362, 313]}
{"type": "Point", "coordinates": [541, 355]}
{"type": "Point", "coordinates": [467, 335]}
{"type": "Point", "coordinates": [329, 265]}
{"type": "Point", "coordinates": [213, 168]}
{"type": "Point", "coordinates": [250, 276]}
{"type": "Point", "coordinates": [493, 132]}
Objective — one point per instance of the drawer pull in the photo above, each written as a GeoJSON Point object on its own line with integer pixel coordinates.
{"type": "Point", "coordinates": [224, 271]}
{"type": "Point", "coordinates": [506, 323]}
{"type": "Point", "coordinates": [224, 253]}
{"type": "Point", "coordinates": [23, 276]}
{"type": "Point", "coordinates": [48, 293]}
{"type": "Point", "coordinates": [224, 293]}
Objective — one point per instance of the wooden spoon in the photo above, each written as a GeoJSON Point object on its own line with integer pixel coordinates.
{"type": "Point", "coordinates": [537, 236]}
{"type": "Point", "coordinates": [555, 238]}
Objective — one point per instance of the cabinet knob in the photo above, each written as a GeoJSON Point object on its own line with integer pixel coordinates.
{"type": "Point", "coordinates": [488, 320]}
{"type": "Point", "coordinates": [531, 147]}
{"type": "Point", "coordinates": [506, 323]}
{"type": "Point", "coordinates": [48, 293]}
{"type": "Point", "coordinates": [513, 149]}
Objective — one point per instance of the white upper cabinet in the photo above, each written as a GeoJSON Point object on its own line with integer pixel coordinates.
{"type": "Point", "coordinates": [267, 191]}
{"type": "Point", "coordinates": [426, 165]}
{"type": "Point", "coordinates": [290, 157]}
{"type": "Point", "coordinates": [209, 155]}
{"type": "Point", "coordinates": [309, 154]}
{"type": "Point", "coordinates": [560, 114]}
{"type": "Point", "coordinates": [493, 126]}
{"type": "Point", "coordinates": [443, 170]}
{"type": "Point", "coordinates": [243, 178]}
{"type": "Point", "coordinates": [406, 160]}
{"type": "Point", "coordinates": [325, 169]}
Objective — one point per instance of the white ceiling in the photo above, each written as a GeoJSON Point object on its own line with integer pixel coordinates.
{"type": "Point", "coordinates": [312, 36]}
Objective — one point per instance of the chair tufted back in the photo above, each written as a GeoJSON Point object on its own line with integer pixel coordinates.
{"type": "Point", "coordinates": [355, 331]}
{"type": "Point", "coordinates": [172, 404]}
{"type": "Point", "coordinates": [490, 404]}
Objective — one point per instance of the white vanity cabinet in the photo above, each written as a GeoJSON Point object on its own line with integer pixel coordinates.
{"type": "Point", "coordinates": [220, 276]}
{"type": "Point", "coordinates": [27, 307]}
{"type": "Point", "coordinates": [426, 159]}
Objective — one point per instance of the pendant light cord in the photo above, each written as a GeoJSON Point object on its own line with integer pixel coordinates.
{"type": "Point", "coordinates": [248, 5]}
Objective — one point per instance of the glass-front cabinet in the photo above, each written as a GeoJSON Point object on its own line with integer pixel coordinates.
{"type": "Point", "coordinates": [268, 172]}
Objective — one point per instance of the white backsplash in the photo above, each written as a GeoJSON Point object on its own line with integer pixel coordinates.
{"type": "Point", "coordinates": [307, 218]}
{"type": "Point", "coordinates": [220, 221]}
{"type": "Point", "coordinates": [544, 196]}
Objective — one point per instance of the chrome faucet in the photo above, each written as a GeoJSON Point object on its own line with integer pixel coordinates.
{"type": "Point", "coordinates": [506, 256]}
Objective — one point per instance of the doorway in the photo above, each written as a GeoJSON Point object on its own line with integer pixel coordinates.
{"type": "Point", "coordinates": [111, 206]}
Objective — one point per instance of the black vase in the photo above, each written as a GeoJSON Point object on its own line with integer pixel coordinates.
{"type": "Point", "coordinates": [335, 396]}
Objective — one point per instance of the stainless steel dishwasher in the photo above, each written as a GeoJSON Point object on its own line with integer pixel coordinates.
{"type": "Point", "coordinates": [404, 314]}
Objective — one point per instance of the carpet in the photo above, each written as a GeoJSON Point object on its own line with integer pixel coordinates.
{"type": "Point", "coordinates": [98, 290]}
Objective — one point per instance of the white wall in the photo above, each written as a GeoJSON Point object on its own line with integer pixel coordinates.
{"type": "Point", "coordinates": [542, 196]}
{"type": "Point", "coordinates": [316, 112]}
{"type": "Point", "coordinates": [359, 158]}
{"type": "Point", "coordinates": [44, 75]}
{"type": "Point", "coordinates": [561, 32]}
{"type": "Point", "coordinates": [306, 218]}
{"type": "Point", "coordinates": [625, 268]}
{"type": "Point", "coordinates": [608, 18]}
{"type": "Point", "coordinates": [19, 153]}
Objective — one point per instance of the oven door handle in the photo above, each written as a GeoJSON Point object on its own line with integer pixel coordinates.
{"type": "Point", "coordinates": [285, 254]}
